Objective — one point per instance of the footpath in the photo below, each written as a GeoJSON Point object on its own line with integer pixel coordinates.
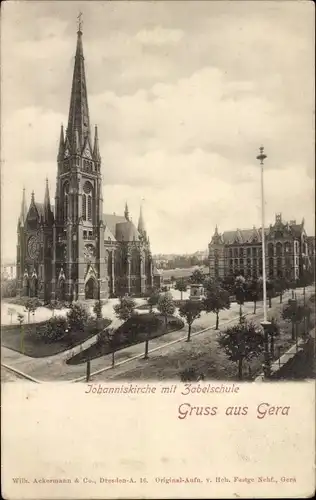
{"type": "Point", "coordinates": [54, 368]}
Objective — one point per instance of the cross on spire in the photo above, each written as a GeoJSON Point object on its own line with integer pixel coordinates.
{"type": "Point", "coordinates": [80, 22]}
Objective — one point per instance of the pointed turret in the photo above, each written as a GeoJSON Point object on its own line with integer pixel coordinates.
{"type": "Point", "coordinates": [79, 112]}
{"type": "Point", "coordinates": [61, 148]}
{"type": "Point", "coordinates": [23, 212]}
{"type": "Point", "coordinates": [47, 197]}
{"type": "Point", "coordinates": [96, 150]}
{"type": "Point", "coordinates": [47, 205]}
{"type": "Point", "coordinates": [33, 197]}
{"type": "Point", "coordinates": [126, 212]}
{"type": "Point", "coordinates": [141, 224]}
{"type": "Point", "coordinates": [216, 238]}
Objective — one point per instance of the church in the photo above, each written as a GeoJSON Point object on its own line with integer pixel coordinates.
{"type": "Point", "coordinates": [72, 250]}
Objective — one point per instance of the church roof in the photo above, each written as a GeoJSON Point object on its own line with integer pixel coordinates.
{"type": "Point", "coordinates": [108, 235]}
{"type": "Point", "coordinates": [126, 231]}
{"type": "Point", "coordinates": [40, 208]}
{"type": "Point", "coordinates": [119, 229]}
{"type": "Point", "coordinates": [110, 221]}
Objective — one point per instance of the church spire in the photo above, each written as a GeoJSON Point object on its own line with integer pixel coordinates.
{"type": "Point", "coordinates": [126, 212]}
{"type": "Point", "coordinates": [23, 212]}
{"type": "Point", "coordinates": [78, 111]}
{"type": "Point", "coordinates": [47, 205]}
{"type": "Point", "coordinates": [61, 144]}
{"type": "Point", "coordinates": [96, 151]}
{"type": "Point", "coordinates": [46, 197]}
{"type": "Point", "coordinates": [141, 224]}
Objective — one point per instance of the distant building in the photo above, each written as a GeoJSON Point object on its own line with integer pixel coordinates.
{"type": "Point", "coordinates": [288, 251]}
{"type": "Point", "coordinates": [8, 271]}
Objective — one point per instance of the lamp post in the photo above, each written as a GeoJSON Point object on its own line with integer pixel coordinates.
{"type": "Point", "coordinates": [265, 323]}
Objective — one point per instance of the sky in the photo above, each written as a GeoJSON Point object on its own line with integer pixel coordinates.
{"type": "Point", "coordinates": [183, 93]}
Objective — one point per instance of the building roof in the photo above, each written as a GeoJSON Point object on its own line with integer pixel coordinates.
{"type": "Point", "coordinates": [296, 230]}
{"type": "Point", "coordinates": [117, 228]}
{"type": "Point", "coordinates": [40, 208]}
{"type": "Point", "coordinates": [126, 231]}
{"type": "Point", "coordinates": [110, 221]}
{"type": "Point", "coordinates": [242, 236]}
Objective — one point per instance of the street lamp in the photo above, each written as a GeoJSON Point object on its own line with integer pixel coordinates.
{"type": "Point", "coordinates": [265, 323]}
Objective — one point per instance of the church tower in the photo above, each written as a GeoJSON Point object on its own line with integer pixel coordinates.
{"type": "Point", "coordinates": [78, 264]}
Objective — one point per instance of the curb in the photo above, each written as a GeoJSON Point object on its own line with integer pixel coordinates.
{"type": "Point", "coordinates": [18, 372]}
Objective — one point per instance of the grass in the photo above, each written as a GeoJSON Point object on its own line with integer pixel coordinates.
{"type": "Point", "coordinates": [36, 347]}
{"type": "Point", "coordinates": [204, 355]}
{"type": "Point", "coordinates": [133, 331]}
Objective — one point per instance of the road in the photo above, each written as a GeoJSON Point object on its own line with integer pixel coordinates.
{"type": "Point", "coordinates": [54, 368]}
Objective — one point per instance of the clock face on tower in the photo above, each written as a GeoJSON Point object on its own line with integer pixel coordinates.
{"type": "Point", "coordinates": [33, 247]}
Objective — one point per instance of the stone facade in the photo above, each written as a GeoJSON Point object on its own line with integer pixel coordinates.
{"type": "Point", "coordinates": [287, 249]}
{"type": "Point", "coordinates": [74, 251]}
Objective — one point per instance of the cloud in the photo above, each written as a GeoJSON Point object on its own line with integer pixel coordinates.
{"type": "Point", "coordinates": [181, 107]}
{"type": "Point", "coordinates": [159, 36]}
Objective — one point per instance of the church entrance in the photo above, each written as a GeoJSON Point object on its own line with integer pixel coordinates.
{"type": "Point", "coordinates": [91, 289]}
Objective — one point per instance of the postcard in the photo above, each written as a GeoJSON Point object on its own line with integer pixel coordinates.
{"type": "Point", "coordinates": [157, 250]}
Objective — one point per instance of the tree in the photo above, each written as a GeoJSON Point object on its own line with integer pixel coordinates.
{"type": "Point", "coordinates": [21, 321]}
{"type": "Point", "coordinates": [54, 330]}
{"type": "Point", "coordinates": [240, 342]}
{"type": "Point", "coordinates": [181, 287]}
{"type": "Point", "coordinates": [293, 313]}
{"type": "Point", "coordinates": [8, 287]}
{"type": "Point", "coordinates": [274, 331]}
{"type": "Point", "coordinates": [151, 326]}
{"type": "Point", "coordinates": [191, 375]}
{"type": "Point", "coordinates": [239, 291]}
{"type": "Point", "coordinates": [172, 279]}
{"type": "Point", "coordinates": [190, 311]}
{"type": "Point", "coordinates": [77, 317]}
{"type": "Point", "coordinates": [279, 287]}
{"type": "Point", "coordinates": [125, 308]}
{"type": "Point", "coordinates": [216, 299]}
{"type": "Point", "coordinates": [270, 285]}
{"type": "Point", "coordinates": [166, 306]}
{"type": "Point", "coordinates": [197, 277]}
{"type": "Point", "coordinates": [228, 283]}
{"type": "Point", "coordinates": [30, 306]}
{"type": "Point", "coordinates": [11, 312]}
{"type": "Point", "coordinates": [152, 300]}
{"type": "Point", "coordinates": [254, 293]}
{"type": "Point", "coordinates": [97, 309]}
{"type": "Point", "coordinates": [112, 337]}
{"type": "Point", "coordinates": [54, 305]}
{"type": "Point", "coordinates": [307, 311]}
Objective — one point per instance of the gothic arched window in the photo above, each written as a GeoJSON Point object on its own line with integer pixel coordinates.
{"type": "Point", "coordinates": [279, 248]}
{"type": "Point", "coordinates": [84, 207]}
{"type": "Point", "coordinates": [270, 250]}
{"type": "Point", "coordinates": [87, 201]}
{"type": "Point", "coordinates": [66, 200]}
{"type": "Point", "coordinates": [89, 207]}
